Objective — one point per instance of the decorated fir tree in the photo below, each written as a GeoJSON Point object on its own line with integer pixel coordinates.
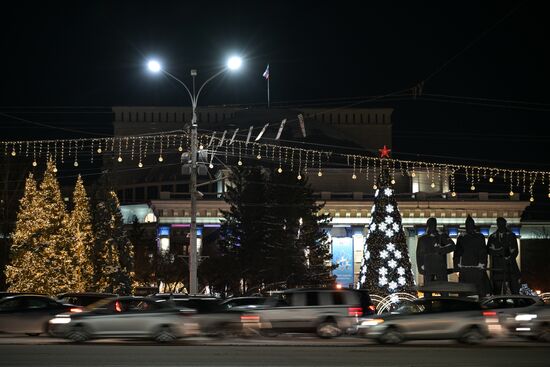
{"type": "Point", "coordinates": [43, 259]}
{"type": "Point", "coordinates": [112, 252]}
{"type": "Point", "coordinates": [386, 266]}
{"type": "Point", "coordinates": [25, 250]}
{"type": "Point", "coordinates": [82, 237]}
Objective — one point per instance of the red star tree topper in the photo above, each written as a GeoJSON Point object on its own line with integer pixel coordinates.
{"type": "Point", "coordinates": [384, 152]}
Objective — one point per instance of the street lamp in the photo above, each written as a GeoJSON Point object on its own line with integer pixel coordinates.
{"type": "Point", "coordinates": [233, 63]}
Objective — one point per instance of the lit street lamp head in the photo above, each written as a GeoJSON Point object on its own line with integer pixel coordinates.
{"type": "Point", "coordinates": [154, 66]}
{"type": "Point", "coordinates": [234, 63]}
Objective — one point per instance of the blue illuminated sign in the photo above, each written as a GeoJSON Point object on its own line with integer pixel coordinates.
{"type": "Point", "coordinates": [453, 232]}
{"type": "Point", "coordinates": [164, 231]}
{"type": "Point", "coordinates": [484, 231]}
{"type": "Point", "coordinates": [342, 255]}
{"type": "Point", "coordinates": [420, 231]}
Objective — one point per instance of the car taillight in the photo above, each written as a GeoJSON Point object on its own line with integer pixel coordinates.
{"type": "Point", "coordinates": [489, 313]}
{"type": "Point", "coordinates": [355, 311]}
{"type": "Point", "coordinates": [75, 309]}
{"type": "Point", "coordinates": [250, 318]}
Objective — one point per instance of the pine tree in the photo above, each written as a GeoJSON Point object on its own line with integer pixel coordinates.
{"type": "Point", "coordinates": [82, 238]}
{"type": "Point", "coordinates": [43, 249]}
{"type": "Point", "coordinates": [386, 266]}
{"type": "Point", "coordinates": [112, 253]}
{"type": "Point", "coordinates": [24, 250]}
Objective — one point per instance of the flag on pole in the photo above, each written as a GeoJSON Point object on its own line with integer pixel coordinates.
{"type": "Point", "coordinates": [266, 72]}
{"type": "Point", "coordinates": [302, 124]}
{"type": "Point", "coordinates": [280, 129]}
{"type": "Point", "coordinates": [261, 132]}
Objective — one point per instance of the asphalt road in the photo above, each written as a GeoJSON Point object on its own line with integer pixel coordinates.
{"type": "Point", "coordinates": [291, 352]}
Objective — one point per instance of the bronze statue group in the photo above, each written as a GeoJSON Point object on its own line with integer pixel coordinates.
{"type": "Point", "coordinates": [470, 258]}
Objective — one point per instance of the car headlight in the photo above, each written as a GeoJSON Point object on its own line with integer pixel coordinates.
{"type": "Point", "coordinates": [525, 317]}
{"type": "Point", "coordinates": [60, 320]}
{"type": "Point", "coordinates": [372, 322]}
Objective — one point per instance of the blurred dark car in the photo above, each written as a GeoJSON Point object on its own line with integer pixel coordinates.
{"type": "Point", "coordinates": [242, 303]}
{"type": "Point", "coordinates": [432, 318]}
{"type": "Point", "coordinates": [83, 299]}
{"type": "Point", "coordinates": [327, 312]}
{"type": "Point", "coordinates": [29, 314]}
{"type": "Point", "coordinates": [126, 317]}
{"type": "Point", "coordinates": [213, 318]}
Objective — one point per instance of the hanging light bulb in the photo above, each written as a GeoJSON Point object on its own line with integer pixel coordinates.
{"type": "Point", "coordinates": [549, 195]}
{"type": "Point", "coordinates": [34, 164]}
{"type": "Point", "coordinates": [491, 179]}
{"type": "Point", "coordinates": [160, 158]}
{"type": "Point", "coordinates": [280, 170]}
{"type": "Point", "coordinates": [140, 164]}
{"type": "Point", "coordinates": [210, 165]}
{"type": "Point", "coordinates": [180, 149]}
{"type": "Point", "coordinates": [432, 185]}
{"type": "Point", "coordinates": [392, 181]}
{"type": "Point", "coordinates": [354, 176]}
{"type": "Point", "coordinates": [75, 164]}
{"type": "Point", "coordinates": [413, 174]}
{"type": "Point", "coordinates": [119, 159]}
{"type": "Point", "coordinates": [55, 169]}
{"type": "Point", "coordinates": [453, 194]}
{"type": "Point", "coordinates": [258, 156]}
{"type": "Point", "coordinates": [99, 150]}
{"type": "Point", "coordinates": [240, 163]}
{"type": "Point", "coordinates": [511, 193]}
{"type": "Point", "coordinates": [531, 199]}
{"type": "Point", "coordinates": [374, 186]}
{"type": "Point", "coordinates": [472, 187]}
{"type": "Point", "coordinates": [299, 177]}
{"type": "Point", "coordinates": [319, 173]}
{"type": "Point", "coordinates": [201, 147]}
{"type": "Point", "coordinates": [13, 153]}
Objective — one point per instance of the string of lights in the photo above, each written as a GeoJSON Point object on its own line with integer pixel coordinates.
{"type": "Point", "coordinates": [301, 160]}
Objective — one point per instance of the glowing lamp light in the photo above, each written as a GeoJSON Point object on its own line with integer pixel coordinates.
{"type": "Point", "coordinates": [320, 174]}
{"type": "Point", "coordinates": [240, 163]}
{"type": "Point", "coordinates": [234, 63]}
{"type": "Point", "coordinates": [119, 159]}
{"type": "Point", "coordinates": [280, 170]}
{"type": "Point", "coordinates": [165, 244]}
{"type": "Point", "coordinates": [491, 179]}
{"type": "Point", "coordinates": [154, 66]}
{"type": "Point", "coordinates": [338, 286]}
{"type": "Point", "coordinates": [34, 164]}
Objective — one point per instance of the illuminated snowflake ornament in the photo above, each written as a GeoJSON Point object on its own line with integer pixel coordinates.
{"type": "Point", "coordinates": [389, 208]}
{"type": "Point", "coordinates": [389, 233]}
{"type": "Point", "coordinates": [401, 281]}
{"type": "Point", "coordinates": [372, 227]}
{"type": "Point", "coordinates": [383, 280]}
{"type": "Point", "coordinates": [388, 219]}
{"type": "Point", "coordinates": [383, 271]}
{"type": "Point", "coordinates": [388, 191]}
{"type": "Point", "coordinates": [390, 247]}
{"type": "Point", "coordinates": [395, 227]}
{"type": "Point", "coordinates": [400, 270]}
{"type": "Point", "coordinates": [392, 263]}
{"type": "Point", "coordinates": [397, 254]}
{"type": "Point", "coordinates": [382, 226]}
{"type": "Point", "coordinates": [392, 285]}
{"type": "Point", "coordinates": [384, 254]}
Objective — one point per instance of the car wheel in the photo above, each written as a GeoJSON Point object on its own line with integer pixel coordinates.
{"type": "Point", "coordinates": [544, 335]}
{"type": "Point", "coordinates": [328, 329]}
{"type": "Point", "coordinates": [78, 334]}
{"type": "Point", "coordinates": [472, 336]}
{"type": "Point", "coordinates": [391, 336]}
{"type": "Point", "coordinates": [165, 335]}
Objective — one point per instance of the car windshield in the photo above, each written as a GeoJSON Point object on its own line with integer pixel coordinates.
{"type": "Point", "coordinates": [99, 304]}
{"type": "Point", "coordinates": [410, 307]}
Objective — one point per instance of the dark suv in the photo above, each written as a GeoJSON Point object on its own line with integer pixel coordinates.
{"type": "Point", "coordinates": [327, 312]}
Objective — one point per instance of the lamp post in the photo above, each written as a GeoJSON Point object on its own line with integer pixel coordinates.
{"type": "Point", "coordinates": [233, 63]}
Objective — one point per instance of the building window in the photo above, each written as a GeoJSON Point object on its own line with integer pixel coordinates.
{"type": "Point", "coordinates": [152, 192]}
{"type": "Point", "coordinates": [140, 193]}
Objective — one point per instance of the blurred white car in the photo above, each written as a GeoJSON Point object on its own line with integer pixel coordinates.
{"type": "Point", "coordinates": [431, 319]}
{"type": "Point", "coordinates": [534, 324]}
{"type": "Point", "coordinates": [126, 317]}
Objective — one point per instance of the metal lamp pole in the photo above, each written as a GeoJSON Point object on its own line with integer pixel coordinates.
{"type": "Point", "coordinates": [234, 63]}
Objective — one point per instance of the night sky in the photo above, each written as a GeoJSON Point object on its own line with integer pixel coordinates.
{"type": "Point", "coordinates": [484, 66]}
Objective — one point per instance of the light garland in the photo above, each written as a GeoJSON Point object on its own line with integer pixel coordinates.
{"type": "Point", "coordinates": [139, 147]}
